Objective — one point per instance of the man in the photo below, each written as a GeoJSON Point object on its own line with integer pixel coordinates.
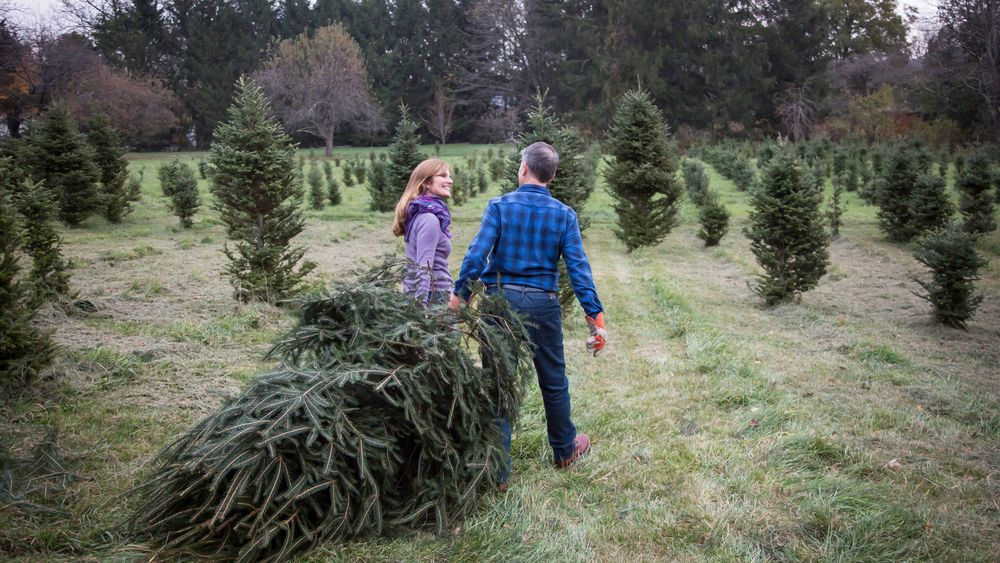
{"type": "Point", "coordinates": [517, 250]}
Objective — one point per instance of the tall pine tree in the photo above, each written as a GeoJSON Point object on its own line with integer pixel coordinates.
{"type": "Point", "coordinates": [259, 196]}
{"type": "Point", "coordinates": [61, 157]}
{"type": "Point", "coordinates": [404, 156]}
{"type": "Point", "coordinates": [786, 231]}
{"type": "Point", "coordinates": [641, 173]}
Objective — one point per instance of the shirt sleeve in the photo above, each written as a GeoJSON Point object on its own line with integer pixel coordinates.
{"type": "Point", "coordinates": [578, 267]}
{"type": "Point", "coordinates": [425, 232]}
{"type": "Point", "coordinates": [478, 256]}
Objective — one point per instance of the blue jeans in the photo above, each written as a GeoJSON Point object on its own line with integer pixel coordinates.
{"type": "Point", "coordinates": [543, 316]}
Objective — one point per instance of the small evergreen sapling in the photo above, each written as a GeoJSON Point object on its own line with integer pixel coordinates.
{"type": "Point", "coordinates": [481, 180]}
{"type": "Point", "coordinates": [713, 218]}
{"type": "Point", "coordinates": [361, 171]}
{"type": "Point", "coordinates": [404, 156]}
{"type": "Point", "coordinates": [496, 169]}
{"type": "Point", "coordinates": [695, 181]}
{"type": "Point", "coordinates": [116, 194]}
{"type": "Point", "coordinates": [258, 192]}
{"type": "Point", "coordinates": [165, 174]}
{"type": "Point", "coordinates": [743, 173]}
{"type": "Point", "coordinates": [333, 192]}
{"type": "Point", "coordinates": [327, 171]}
{"type": "Point", "coordinates": [641, 173]}
{"type": "Point", "coordinates": [347, 174]}
{"type": "Point", "coordinates": [786, 231]}
{"type": "Point", "coordinates": [461, 187]}
{"type": "Point", "coordinates": [378, 175]}
{"type": "Point", "coordinates": [866, 183]}
{"type": "Point", "coordinates": [851, 180]}
{"type": "Point", "coordinates": [951, 255]}
{"type": "Point", "coordinates": [836, 211]}
{"type": "Point", "coordinates": [180, 186]}
{"type": "Point", "coordinates": [49, 270]}
{"type": "Point", "coordinates": [976, 197]}
{"type": "Point", "coordinates": [315, 179]}
{"type": "Point", "coordinates": [184, 193]}
{"type": "Point", "coordinates": [930, 208]}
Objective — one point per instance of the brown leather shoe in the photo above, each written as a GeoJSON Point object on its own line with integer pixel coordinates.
{"type": "Point", "coordinates": [582, 449]}
{"type": "Point", "coordinates": [502, 487]}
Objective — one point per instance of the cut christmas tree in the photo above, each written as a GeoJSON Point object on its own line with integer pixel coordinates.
{"type": "Point", "coordinates": [378, 418]}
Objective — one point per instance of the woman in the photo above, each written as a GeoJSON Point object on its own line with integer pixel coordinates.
{"type": "Point", "coordinates": [424, 221]}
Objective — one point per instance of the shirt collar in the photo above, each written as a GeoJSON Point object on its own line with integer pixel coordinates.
{"type": "Point", "coordinates": [534, 188]}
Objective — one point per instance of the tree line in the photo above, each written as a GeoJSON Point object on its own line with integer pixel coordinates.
{"type": "Point", "coordinates": [472, 68]}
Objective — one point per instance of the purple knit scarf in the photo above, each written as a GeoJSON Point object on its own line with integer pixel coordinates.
{"type": "Point", "coordinates": [428, 204]}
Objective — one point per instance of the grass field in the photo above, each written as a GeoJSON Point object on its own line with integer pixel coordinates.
{"type": "Point", "coordinates": [847, 427]}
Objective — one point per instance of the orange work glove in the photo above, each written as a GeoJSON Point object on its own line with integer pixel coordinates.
{"type": "Point", "coordinates": [598, 336]}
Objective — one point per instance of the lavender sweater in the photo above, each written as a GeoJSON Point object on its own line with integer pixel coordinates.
{"type": "Point", "coordinates": [429, 249]}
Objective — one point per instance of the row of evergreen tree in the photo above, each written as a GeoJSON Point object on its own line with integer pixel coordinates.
{"type": "Point", "coordinates": [787, 226]}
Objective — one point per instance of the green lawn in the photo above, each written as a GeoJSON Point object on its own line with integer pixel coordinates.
{"type": "Point", "coordinates": [846, 427]}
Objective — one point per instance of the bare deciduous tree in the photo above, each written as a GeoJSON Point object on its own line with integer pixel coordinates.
{"type": "Point", "coordinates": [438, 116]}
{"type": "Point", "coordinates": [795, 111]}
{"type": "Point", "coordinates": [504, 57]}
{"type": "Point", "coordinates": [499, 124]}
{"type": "Point", "coordinates": [317, 84]}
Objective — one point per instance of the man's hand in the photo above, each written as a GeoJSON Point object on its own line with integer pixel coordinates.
{"type": "Point", "coordinates": [453, 302]}
{"type": "Point", "coordinates": [598, 336]}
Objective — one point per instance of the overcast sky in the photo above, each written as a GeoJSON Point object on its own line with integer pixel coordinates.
{"type": "Point", "coordinates": [34, 11]}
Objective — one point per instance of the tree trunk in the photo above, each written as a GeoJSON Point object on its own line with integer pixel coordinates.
{"type": "Point", "coordinates": [329, 143]}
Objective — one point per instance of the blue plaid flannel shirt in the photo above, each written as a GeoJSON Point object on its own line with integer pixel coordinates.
{"type": "Point", "coordinates": [522, 237]}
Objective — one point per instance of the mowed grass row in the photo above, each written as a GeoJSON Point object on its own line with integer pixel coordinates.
{"type": "Point", "coordinates": [722, 430]}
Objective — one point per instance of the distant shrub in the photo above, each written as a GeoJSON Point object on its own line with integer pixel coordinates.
{"type": "Point", "coordinates": [976, 197]}
{"type": "Point", "coordinates": [315, 180]}
{"type": "Point", "coordinates": [713, 218]}
{"type": "Point", "coordinates": [183, 190]}
{"type": "Point", "coordinates": [695, 181]}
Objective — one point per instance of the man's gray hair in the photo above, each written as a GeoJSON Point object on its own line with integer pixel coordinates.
{"type": "Point", "coordinates": [542, 161]}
